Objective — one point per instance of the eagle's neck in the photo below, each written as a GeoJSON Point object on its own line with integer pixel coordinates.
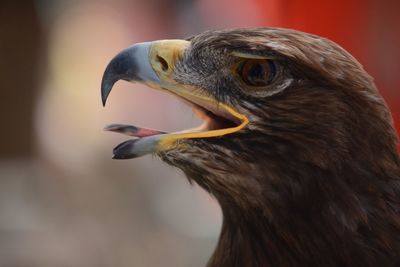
{"type": "Point", "coordinates": [239, 246]}
{"type": "Point", "coordinates": [330, 222]}
{"type": "Point", "coordinates": [302, 213]}
{"type": "Point", "coordinates": [251, 239]}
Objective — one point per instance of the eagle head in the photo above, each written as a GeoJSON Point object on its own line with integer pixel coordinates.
{"type": "Point", "coordinates": [296, 142]}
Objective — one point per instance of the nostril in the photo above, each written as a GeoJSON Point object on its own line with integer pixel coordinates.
{"type": "Point", "coordinates": [163, 62]}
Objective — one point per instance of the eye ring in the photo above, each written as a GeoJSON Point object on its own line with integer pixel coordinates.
{"type": "Point", "coordinates": [257, 72]}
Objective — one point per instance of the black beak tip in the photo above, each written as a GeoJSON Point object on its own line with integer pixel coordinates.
{"type": "Point", "coordinates": [106, 87]}
{"type": "Point", "coordinates": [103, 101]}
{"type": "Point", "coordinates": [116, 157]}
{"type": "Point", "coordinates": [125, 150]}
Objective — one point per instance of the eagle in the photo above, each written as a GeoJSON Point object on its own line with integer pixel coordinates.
{"type": "Point", "coordinates": [296, 145]}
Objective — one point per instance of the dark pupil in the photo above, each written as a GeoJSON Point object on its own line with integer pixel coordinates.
{"type": "Point", "coordinates": [258, 72]}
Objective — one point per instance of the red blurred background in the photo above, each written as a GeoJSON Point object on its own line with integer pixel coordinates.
{"type": "Point", "coordinates": [63, 201]}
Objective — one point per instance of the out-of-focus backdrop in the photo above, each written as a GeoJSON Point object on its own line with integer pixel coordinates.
{"type": "Point", "coordinates": [63, 201]}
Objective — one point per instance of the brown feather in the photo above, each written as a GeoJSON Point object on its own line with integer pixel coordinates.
{"type": "Point", "coordinates": [314, 180]}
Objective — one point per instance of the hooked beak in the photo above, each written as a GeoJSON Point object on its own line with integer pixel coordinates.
{"type": "Point", "coordinates": [153, 64]}
{"type": "Point", "coordinates": [131, 64]}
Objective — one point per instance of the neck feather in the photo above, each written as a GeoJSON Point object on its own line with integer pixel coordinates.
{"type": "Point", "coordinates": [338, 222]}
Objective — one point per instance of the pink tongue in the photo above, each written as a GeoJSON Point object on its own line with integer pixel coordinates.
{"type": "Point", "coordinates": [132, 130]}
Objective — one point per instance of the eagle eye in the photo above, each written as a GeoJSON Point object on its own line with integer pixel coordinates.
{"type": "Point", "coordinates": [257, 72]}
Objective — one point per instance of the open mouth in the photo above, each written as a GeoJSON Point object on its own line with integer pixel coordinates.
{"type": "Point", "coordinates": [214, 119]}
{"type": "Point", "coordinates": [153, 64]}
{"type": "Point", "coordinates": [218, 120]}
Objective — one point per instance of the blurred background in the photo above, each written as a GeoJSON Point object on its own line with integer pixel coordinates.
{"type": "Point", "coordinates": [63, 201]}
